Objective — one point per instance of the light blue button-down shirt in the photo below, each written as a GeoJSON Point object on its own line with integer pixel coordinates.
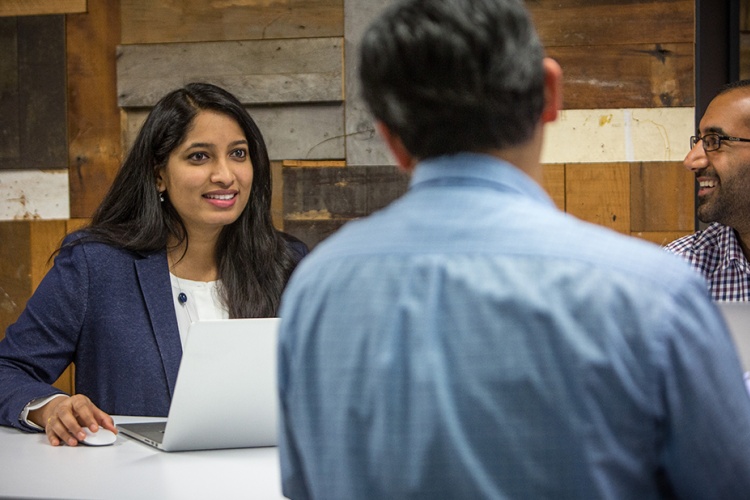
{"type": "Point", "coordinates": [472, 341]}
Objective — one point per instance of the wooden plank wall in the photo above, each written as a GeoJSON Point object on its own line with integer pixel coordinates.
{"type": "Point", "coordinates": [293, 62]}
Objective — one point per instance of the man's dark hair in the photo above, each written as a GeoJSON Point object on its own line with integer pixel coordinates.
{"type": "Point", "coordinates": [732, 86]}
{"type": "Point", "coordinates": [448, 76]}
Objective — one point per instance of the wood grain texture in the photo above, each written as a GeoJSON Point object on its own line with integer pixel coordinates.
{"type": "Point", "coordinates": [626, 76]}
{"type": "Point", "coordinates": [25, 258]}
{"type": "Point", "coordinates": [599, 193]}
{"type": "Point", "coordinates": [256, 71]}
{"type": "Point", "coordinates": [660, 238]}
{"type": "Point", "coordinates": [606, 22]}
{"type": "Point", "coordinates": [94, 151]}
{"type": "Point", "coordinates": [33, 93]}
{"type": "Point", "coordinates": [662, 197]}
{"type": "Point", "coordinates": [41, 7]}
{"type": "Point", "coordinates": [363, 145]}
{"type": "Point", "coordinates": [290, 132]}
{"type": "Point", "coordinates": [553, 181]}
{"type": "Point", "coordinates": [163, 21]}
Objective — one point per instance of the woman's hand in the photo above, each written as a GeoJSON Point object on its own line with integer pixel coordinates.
{"type": "Point", "coordinates": [64, 418]}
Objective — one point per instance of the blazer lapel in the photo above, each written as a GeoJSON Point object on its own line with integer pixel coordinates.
{"type": "Point", "coordinates": [153, 276]}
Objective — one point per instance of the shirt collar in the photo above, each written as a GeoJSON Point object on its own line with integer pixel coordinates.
{"type": "Point", "coordinates": [724, 240]}
{"type": "Point", "coordinates": [481, 168]}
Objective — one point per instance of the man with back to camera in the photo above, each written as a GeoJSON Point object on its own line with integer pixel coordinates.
{"type": "Point", "coordinates": [720, 158]}
{"type": "Point", "coordinates": [472, 341]}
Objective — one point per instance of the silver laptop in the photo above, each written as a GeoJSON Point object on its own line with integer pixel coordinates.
{"type": "Point", "coordinates": [225, 394]}
{"type": "Point", "coordinates": [737, 316]}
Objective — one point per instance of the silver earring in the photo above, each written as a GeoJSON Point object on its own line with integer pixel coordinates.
{"type": "Point", "coordinates": [161, 196]}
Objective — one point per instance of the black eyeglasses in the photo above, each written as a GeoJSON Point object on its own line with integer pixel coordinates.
{"type": "Point", "coordinates": [712, 142]}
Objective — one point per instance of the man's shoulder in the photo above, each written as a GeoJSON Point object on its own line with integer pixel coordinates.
{"type": "Point", "coordinates": [702, 241]}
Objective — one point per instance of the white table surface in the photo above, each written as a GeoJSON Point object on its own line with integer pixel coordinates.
{"type": "Point", "coordinates": [31, 468]}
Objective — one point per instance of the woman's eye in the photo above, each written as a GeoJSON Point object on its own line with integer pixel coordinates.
{"type": "Point", "coordinates": [239, 153]}
{"type": "Point", "coordinates": [198, 156]}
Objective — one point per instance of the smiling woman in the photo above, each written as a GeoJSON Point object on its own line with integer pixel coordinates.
{"type": "Point", "coordinates": [184, 233]}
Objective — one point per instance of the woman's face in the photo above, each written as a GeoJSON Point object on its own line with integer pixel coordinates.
{"type": "Point", "coordinates": [209, 176]}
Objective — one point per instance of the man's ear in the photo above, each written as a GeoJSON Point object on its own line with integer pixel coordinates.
{"type": "Point", "coordinates": [404, 158]}
{"type": "Point", "coordinates": [552, 90]}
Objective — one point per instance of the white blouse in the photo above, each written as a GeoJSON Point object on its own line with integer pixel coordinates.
{"type": "Point", "coordinates": [196, 301]}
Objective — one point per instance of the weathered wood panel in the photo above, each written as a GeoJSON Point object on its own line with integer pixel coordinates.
{"type": "Point", "coordinates": [613, 135]}
{"type": "Point", "coordinates": [257, 72]}
{"type": "Point", "coordinates": [605, 22]}
{"type": "Point", "coordinates": [363, 145]}
{"type": "Point", "coordinates": [33, 100]}
{"type": "Point", "coordinates": [317, 201]}
{"type": "Point", "coordinates": [40, 7]}
{"type": "Point", "coordinates": [290, 132]}
{"type": "Point", "coordinates": [662, 197]}
{"type": "Point", "coordinates": [25, 257]}
{"type": "Point", "coordinates": [94, 151]}
{"type": "Point", "coordinates": [599, 193]}
{"type": "Point", "coordinates": [553, 181]}
{"type": "Point", "coordinates": [148, 21]}
{"type": "Point", "coordinates": [626, 76]}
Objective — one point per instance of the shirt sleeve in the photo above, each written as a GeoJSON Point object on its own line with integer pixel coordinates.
{"type": "Point", "coordinates": [706, 452]}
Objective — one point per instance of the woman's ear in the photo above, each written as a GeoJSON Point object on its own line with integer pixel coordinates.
{"type": "Point", "coordinates": [552, 90]}
{"type": "Point", "coordinates": [404, 158]}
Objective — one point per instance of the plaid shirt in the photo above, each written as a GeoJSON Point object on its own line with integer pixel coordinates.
{"type": "Point", "coordinates": [717, 255]}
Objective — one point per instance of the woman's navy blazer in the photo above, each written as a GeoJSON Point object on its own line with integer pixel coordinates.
{"type": "Point", "coordinates": [111, 312]}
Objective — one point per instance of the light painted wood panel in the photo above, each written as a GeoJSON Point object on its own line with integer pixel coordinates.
{"type": "Point", "coordinates": [615, 135]}
{"type": "Point", "coordinates": [662, 197]}
{"type": "Point", "coordinates": [161, 21]}
{"type": "Point", "coordinates": [599, 193]}
{"type": "Point", "coordinates": [256, 72]}
{"type": "Point", "coordinates": [314, 132]}
{"type": "Point", "coordinates": [94, 152]}
{"type": "Point", "coordinates": [553, 181]}
{"type": "Point", "coordinates": [40, 7]}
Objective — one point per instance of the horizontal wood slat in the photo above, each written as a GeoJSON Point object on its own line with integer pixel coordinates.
{"type": "Point", "coordinates": [256, 71]}
{"type": "Point", "coordinates": [626, 76]}
{"type": "Point", "coordinates": [553, 181]}
{"type": "Point", "coordinates": [290, 132]}
{"type": "Point", "coordinates": [605, 22]}
{"type": "Point", "coordinates": [40, 7]}
{"type": "Point", "coordinates": [162, 21]}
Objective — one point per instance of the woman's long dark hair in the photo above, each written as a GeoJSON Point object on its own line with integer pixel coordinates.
{"type": "Point", "coordinates": [253, 260]}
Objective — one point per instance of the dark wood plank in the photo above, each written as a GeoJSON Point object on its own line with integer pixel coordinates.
{"type": "Point", "coordinates": [9, 106]}
{"type": "Point", "coordinates": [94, 152]}
{"type": "Point", "coordinates": [626, 76]}
{"type": "Point", "coordinates": [32, 93]}
{"type": "Point", "coordinates": [662, 197]}
{"type": "Point", "coordinates": [605, 22]}
{"type": "Point", "coordinates": [164, 21]}
{"type": "Point", "coordinates": [41, 73]}
{"type": "Point", "coordinates": [340, 192]}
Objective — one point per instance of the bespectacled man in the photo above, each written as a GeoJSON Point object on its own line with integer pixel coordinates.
{"type": "Point", "coordinates": [720, 158]}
